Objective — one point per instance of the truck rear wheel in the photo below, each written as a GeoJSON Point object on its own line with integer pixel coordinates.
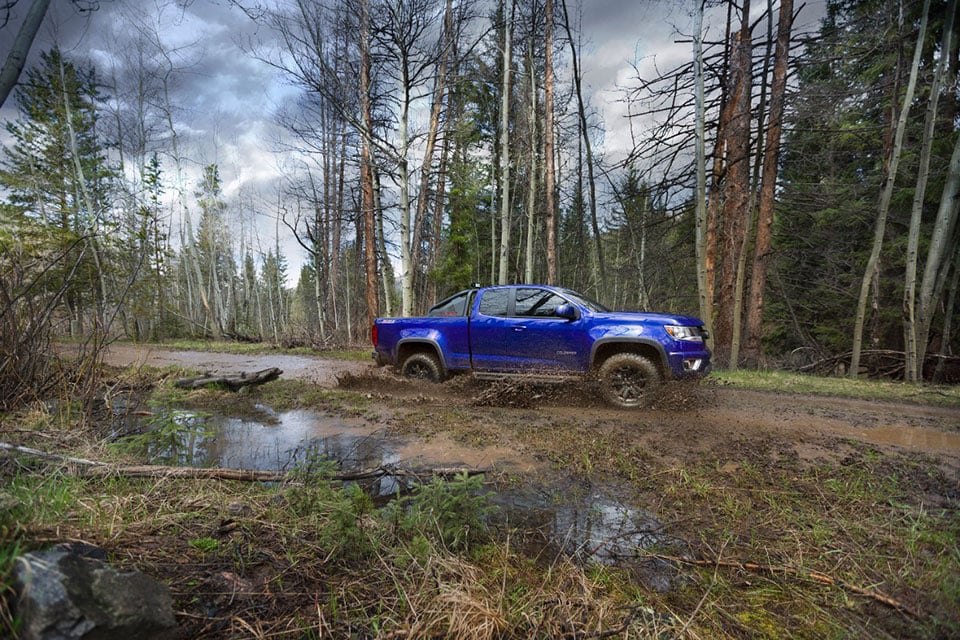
{"type": "Point", "coordinates": [628, 380]}
{"type": "Point", "coordinates": [422, 366]}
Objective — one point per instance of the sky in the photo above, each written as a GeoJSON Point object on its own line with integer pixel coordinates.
{"type": "Point", "coordinates": [226, 99]}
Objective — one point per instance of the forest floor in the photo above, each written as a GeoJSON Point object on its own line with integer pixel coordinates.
{"type": "Point", "coordinates": [777, 514]}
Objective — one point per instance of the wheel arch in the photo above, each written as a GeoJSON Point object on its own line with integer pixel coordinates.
{"type": "Point", "coordinates": [651, 349]}
{"type": "Point", "coordinates": [406, 348]}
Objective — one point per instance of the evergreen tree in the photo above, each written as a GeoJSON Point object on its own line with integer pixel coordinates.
{"type": "Point", "coordinates": [56, 176]}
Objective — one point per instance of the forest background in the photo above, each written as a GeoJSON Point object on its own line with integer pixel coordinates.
{"type": "Point", "coordinates": [796, 188]}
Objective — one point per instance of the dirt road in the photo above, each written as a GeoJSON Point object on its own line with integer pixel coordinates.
{"type": "Point", "coordinates": [322, 371]}
{"type": "Point", "coordinates": [690, 421]}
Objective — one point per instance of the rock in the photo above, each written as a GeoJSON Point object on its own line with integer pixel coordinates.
{"type": "Point", "coordinates": [67, 592]}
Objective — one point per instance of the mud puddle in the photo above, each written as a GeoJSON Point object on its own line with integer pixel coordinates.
{"type": "Point", "coordinates": [591, 527]}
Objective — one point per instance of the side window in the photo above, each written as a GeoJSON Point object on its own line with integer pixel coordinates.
{"type": "Point", "coordinates": [537, 303]}
{"type": "Point", "coordinates": [452, 307]}
{"type": "Point", "coordinates": [494, 302]}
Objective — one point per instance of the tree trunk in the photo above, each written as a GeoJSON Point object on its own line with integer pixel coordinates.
{"type": "Point", "coordinates": [704, 290]}
{"type": "Point", "coordinates": [17, 55]}
{"type": "Point", "coordinates": [914, 351]}
{"type": "Point", "coordinates": [601, 270]}
{"type": "Point", "coordinates": [939, 252]}
{"type": "Point", "coordinates": [768, 184]}
{"type": "Point", "coordinates": [737, 184]}
{"type": "Point", "coordinates": [366, 172]}
{"type": "Point", "coordinates": [871, 271]}
{"type": "Point", "coordinates": [534, 168]}
{"type": "Point", "coordinates": [548, 144]}
{"type": "Point", "coordinates": [505, 145]}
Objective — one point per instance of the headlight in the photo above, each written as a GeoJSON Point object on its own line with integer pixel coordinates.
{"type": "Point", "coordinates": [691, 334]}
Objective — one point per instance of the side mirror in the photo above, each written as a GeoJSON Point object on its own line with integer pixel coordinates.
{"type": "Point", "coordinates": [567, 311]}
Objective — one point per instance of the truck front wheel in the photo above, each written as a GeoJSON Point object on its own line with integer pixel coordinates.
{"type": "Point", "coordinates": [628, 380]}
{"type": "Point", "coordinates": [422, 366]}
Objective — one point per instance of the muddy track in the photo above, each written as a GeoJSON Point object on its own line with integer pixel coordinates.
{"type": "Point", "coordinates": [688, 420]}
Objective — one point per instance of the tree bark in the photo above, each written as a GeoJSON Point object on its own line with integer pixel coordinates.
{"type": "Point", "coordinates": [366, 172]}
{"type": "Point", "coordinates": [737, 183]}
{"type": "Point", "coordinates": [768, 184]}
{"type": "Point", "coordinates": [505, 145]}
{"type": "Point", "coordinates": [704, 290]}
{"type": "Point", "coordinates": [548, 151]}
{"type": "Point", "coordinates": [234, 382]}
{"type": "Point", "coordinates": [17, 56]}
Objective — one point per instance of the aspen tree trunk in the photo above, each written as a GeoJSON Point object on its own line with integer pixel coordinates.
{"type": "Point", "coordinates": [871, 272]}
{"type": "Point", "coordinates": [534, 167]}
{"type": "Point", "coordinates": [505, 146]}
{"type": "Point", "coordinates": [948, 317]}
{"type": "Point", "coordinates": [915, 351]}
{"type": "Point", "coordinates": [548, 151]}
{"type": "Point", "coordinates": [338, 226]}
{"type": "Point", "coordinates": [938, 254]}
{"type": "Point", "coordinates": [704, 289]}
{"type": "Point", "coordinates": [366, 173]}
{"type": "Point", "coordinates": [17, 56]}
{"type": "Point", "coordinates": [600, 274]}
{"type": "Point", "coordinates": [768, 183]}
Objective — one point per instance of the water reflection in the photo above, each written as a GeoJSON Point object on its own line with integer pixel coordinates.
{"type": "Point", "coordinates": [268, 441]}
{"type": "Point", "coordinates": [595, 528]}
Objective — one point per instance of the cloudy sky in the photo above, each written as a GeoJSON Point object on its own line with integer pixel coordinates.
{"type": "Point", "coordinates": [226, 99]}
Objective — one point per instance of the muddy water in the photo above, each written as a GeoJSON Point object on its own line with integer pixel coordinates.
{"type": "Point", "coordinates": [268, 440]}
{"type": "Point", "coordinates": [592, 527]}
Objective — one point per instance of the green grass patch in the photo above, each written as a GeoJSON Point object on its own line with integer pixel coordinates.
{"type": "Point", "coordinates": [783, 381]}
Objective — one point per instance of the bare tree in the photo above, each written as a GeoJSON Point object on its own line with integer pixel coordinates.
{"type": "Point", "coordinates": [548, 148]}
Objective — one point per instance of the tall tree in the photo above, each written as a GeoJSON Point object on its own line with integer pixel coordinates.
{"type": "Point", "coordinates": [771, 165]}
{"type": "Point", "coordinates": [548, 148]}
{"type": "Point", "coordinates": [892, 163]}
{"type": "Point", "coordinates": [505, 91]}
{"type": "Point", "coordinates": [913, 348]}
{"type": "Point", "coordinates": [736, 190]}
{"type": "Point", "coordinates": [599, 261]}
{"type": "Point", "coordinates": [55, 171]}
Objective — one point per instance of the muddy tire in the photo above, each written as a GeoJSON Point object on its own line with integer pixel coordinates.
{"type": "Point", "coordinates": [422, 366]}
{"type": "Point", "coordinates": [628, 380]}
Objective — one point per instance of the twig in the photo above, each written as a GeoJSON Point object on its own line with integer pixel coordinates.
{"type": "Point", "coordinates": [816, 576]}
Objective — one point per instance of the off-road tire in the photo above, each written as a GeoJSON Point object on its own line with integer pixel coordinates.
{"type": "Point", "coordinates": [629, 380]}
{"type": "Point", "coordinates": [422, 366]}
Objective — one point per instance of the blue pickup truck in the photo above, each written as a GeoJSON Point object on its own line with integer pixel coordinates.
{"type": "Point", "coordinates": [538, 332]}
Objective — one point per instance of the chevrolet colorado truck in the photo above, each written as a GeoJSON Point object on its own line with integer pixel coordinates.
{"type": "Point", "coordinates": [543, 332]}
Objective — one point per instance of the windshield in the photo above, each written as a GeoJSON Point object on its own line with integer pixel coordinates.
{"type": "Point", "coordinates": [583, 301]}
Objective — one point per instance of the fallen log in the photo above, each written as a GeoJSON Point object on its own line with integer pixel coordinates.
{"type": "Point", "coordinates": [234, 382]}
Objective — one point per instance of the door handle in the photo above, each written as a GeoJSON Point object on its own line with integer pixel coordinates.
{"type": "Point", "coordinates": [520, 328]}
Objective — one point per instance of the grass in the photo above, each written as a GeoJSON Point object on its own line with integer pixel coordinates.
{"type": "Point", "coordinates": [865, 389]}
{"type": "Point", "coordinates": [747, 527]}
